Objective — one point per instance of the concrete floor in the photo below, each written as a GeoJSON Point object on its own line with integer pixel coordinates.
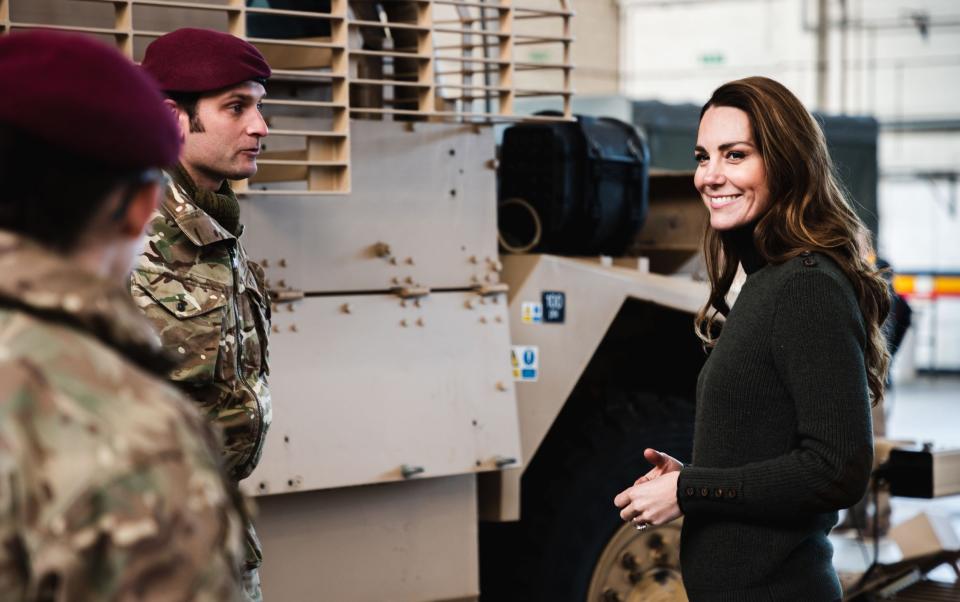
{"type": "Point", "coordinates": [925, 409]}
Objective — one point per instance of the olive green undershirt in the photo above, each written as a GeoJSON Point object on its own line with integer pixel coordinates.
{"type": "Point", "coordinates": [221, 205]}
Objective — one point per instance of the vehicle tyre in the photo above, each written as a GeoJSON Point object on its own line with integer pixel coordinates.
{"type": "Point", "coordinates": [570, 539]}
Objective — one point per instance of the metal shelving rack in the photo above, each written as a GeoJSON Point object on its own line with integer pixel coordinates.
{"type": "Point", "coordinates": [440, 60]}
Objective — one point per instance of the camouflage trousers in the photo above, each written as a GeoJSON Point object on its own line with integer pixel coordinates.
{"type": "Point", "coordinates": [251, 586]}
{"type": "Point", "coordinates": [251, 568]}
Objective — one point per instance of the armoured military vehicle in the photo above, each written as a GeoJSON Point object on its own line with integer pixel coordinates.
{"type": "Point", "coordinates": [450, 422]}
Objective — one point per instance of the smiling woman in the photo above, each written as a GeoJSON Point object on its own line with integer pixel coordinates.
{"type": "Point", "coordinates": [730, 175]}
{"type": "Point", "coordinates": [782, 437]}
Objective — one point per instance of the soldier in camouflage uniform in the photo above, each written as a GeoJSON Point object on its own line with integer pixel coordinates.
{"type": "Point", "coordinates": [194, 281]}
{"type": "Point", "coordinates": [111, 485]}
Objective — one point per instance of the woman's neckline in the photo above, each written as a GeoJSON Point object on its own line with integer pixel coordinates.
{"type": "Point", "coordinates": [741, 240]}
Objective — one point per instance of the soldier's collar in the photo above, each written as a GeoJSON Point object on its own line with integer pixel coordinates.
{"type": "Point", "coordinates": [42, 283]}
{"type": "Point", "coordinates": [198, 226]}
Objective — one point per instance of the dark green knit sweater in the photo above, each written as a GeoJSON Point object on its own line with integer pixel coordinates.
{"type": "Point", "coordinates": [782, 438]}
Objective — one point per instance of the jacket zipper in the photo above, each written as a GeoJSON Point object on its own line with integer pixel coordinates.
{"type": "Point", "coordinates": [238, 343]}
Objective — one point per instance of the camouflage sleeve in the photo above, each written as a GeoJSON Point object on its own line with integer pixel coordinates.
{"type": "Point", "coordinates": [148, 520]}
{"type": "Point", "coordinates": [122, 542]}
{"type": "Point", "coordinates": [189, 318]}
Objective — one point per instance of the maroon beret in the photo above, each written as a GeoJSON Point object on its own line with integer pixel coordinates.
{"type": "Point", "coordinates": [85, 97]}
{"type": "Point", "coordinates": [201, 60]}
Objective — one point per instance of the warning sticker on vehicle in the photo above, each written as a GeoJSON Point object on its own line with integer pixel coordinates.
{"type": "Point", "coordinates": [531, 312]}
{"type": "Point", "coordinates": [555, 303]}
{"type": "Point", "coordinates": [525, 361]}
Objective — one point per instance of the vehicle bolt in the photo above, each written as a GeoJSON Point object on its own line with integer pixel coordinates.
{"type": "Point", "coordinates": [419, 321]}
{"type": "Point", "coordinates": [498, 319]}
{"type": "Point", "coordinates": [265, 263]}
{"type": "Point", "coordinates": [501, 387]}
{"type": "Point", "coordinates": [469, 304]}
{"type": "Point", "coordinates": [409, 280]}
{"type": "Point", "coordinates": [409, 261]}
{"type": "Point", "coordinates": [345, 308]}
{"type": "Point", "coordinates": [636, 577]}
{"type": "Point", "coordinates": [473, 259]}
{"type": "Point", "coordinates": [408, 471]}
{"type": "Point", "coordinates": [395, 280]}
{"type": "Point", "coordinates": [628, 561]}
{"type": "Point", "coordinates": [483, 320]}
{"type": "Point", "coordinates": [403, 323]}
{"type": "Point", "coordinates": [381, 249]}
{"type": "Point", "coordinates": [393, 261]}
{"type": "Point", "coordinates": [611, 596]}
{"type": "Point", "coordinates": [290, 308]}
{"type": "Point", "coordinates": [282, 283]}
{"type": "Point", "coordinates": [416, 302]}
{"type": "Point", "coordinates": [293, 328]}
{"type": "Point", "coordinates": [275, 329]}
{"type": "Point", "coordinates": [655, 541]}
{"type": "Point", "coordinates": [283, 263]}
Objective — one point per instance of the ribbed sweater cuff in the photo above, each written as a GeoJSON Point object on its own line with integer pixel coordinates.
{"type": "Point", "coordinates": [698, 491]}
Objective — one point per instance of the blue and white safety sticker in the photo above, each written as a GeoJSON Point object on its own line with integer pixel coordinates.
{"type": "Point", "coordinates": [525, 361]}
{"type": "Point", "coordinates": [531, 312]}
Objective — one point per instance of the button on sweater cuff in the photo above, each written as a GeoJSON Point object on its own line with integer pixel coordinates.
{"type": "Point", "coordinates": [700, 492]}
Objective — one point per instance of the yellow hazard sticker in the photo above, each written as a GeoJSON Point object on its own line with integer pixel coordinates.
{"type": "Point", "coordinates": [531, 312]}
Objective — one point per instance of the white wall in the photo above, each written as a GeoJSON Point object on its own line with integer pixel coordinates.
{"type": "Point", "coordinates": [680, 50]}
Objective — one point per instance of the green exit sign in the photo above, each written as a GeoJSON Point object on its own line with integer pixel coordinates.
{"type": "Point", "coordinates": [712, 58]}
{"type": "Point", "coordinates": [539, 56]}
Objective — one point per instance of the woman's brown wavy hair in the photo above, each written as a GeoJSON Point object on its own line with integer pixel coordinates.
{"type": "Point", "coordinates": [809, 211]}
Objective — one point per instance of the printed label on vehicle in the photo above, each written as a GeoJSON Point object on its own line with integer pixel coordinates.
{"type": "Point", "coordinates": [525, 361]}
{"type": "Point", "coordinates": [531, 312]}
{"type": "Point", "coordinates": [555, 306]}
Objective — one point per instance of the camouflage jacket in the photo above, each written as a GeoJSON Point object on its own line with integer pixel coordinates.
{"type": "Point", "coordinates": [111, 487]}
{"type": "Point", "coordinates": [209, 304]}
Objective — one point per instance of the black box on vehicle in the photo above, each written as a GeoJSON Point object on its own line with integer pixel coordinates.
{"type": "Point", "coordinates": [573, 188]}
